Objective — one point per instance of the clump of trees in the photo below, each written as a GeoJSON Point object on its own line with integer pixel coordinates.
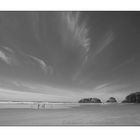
{"type": "Point", "coordinates": [90, 100]}
{"type": "Point", "coordinates": [132, 98]}
{"type": "Point", "coordinates": [111, 100]}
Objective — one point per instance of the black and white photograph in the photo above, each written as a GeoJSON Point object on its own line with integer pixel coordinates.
{"type": "Point", "coordinates": [69, 68]}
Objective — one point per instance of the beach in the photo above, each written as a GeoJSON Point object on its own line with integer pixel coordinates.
{"type": "Point", "coordinates": [71, 114]}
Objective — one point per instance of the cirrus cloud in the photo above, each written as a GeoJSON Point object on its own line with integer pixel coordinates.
{"type": "Point", "coordinates": [75, 31]}
{"type": "Point", "coordinates": [15, 58]}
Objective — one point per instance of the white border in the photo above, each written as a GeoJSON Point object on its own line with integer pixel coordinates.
{"type": "Point", "coordinates": [69, 5]}
{"type": "Point", "coordinates": [69, 133]}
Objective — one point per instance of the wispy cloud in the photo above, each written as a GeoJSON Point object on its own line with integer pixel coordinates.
{"type": "Point", "coordinates": [105, 42]}
{"type": "Point", "coordinates": [75, 31]}
{"type": "Point", "coordinates": [107, 90]}
{"type": "Point", "coordinates": [123, 64]}
{"type": "Point", "coordinates": [21, 89]}
{"type": "Point", "coordinates": [4, 57]}
{"type": "Point", "coordinates": [13, 57]}
{"type": "Point", "coordinates": [41, 64]}
{"type": "Point", "coordinates": [7, 94]}
{"type": "Point", "coordinates": [34, 18]}
{"type": "Point", "coordinates": [108, 38]}
{"type": "Point", "coordinates": [76, 37]}
{"type": "Point", "coordinates": [108, 85]}
{"type": "Point", "coordinates": [7, 49]}
{"type": "Point", "coordinates": [102, 86]}
{"type": "Point", "coordinates": [7, 55]}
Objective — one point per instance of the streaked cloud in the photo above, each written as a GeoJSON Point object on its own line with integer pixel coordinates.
{"type": "Point", "coordinates": [80, 50]}
{"type": "Point", "coordinates": [102, 86]}
{"type": "Point", "coordinates": [4, 57]}
{"type": "Point", "coordinates": [75, 31]}
{"type": "Point", "coordinates": [8, 94]}
{"type": "Point", "coordinates": [25, 90]}
{"type": "Point", "coordinates": [41, 64]}
{"type": "Point", "coordinates": [76, 37]}
{"type": "Point", "coordinates": [7, 55]}
{"type": "Point", "coordinates": [108, 38]}
{"type": "Point", "coordinates": [116, 90]}
{"type": "Point", "coordinates": [13, 57]}
{"type": "Point", "coordinates": [34, 18]}
{"type": "Point", "coordinates": [7, 49]}
{"type": "Point", "coordinates": [123, 64]}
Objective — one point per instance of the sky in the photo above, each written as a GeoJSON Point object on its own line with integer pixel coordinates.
{"type": "Point", "coordinates": [66, 56]}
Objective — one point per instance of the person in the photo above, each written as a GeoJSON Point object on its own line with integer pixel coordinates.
{"type": "Point", "coordinates": [38, 105]}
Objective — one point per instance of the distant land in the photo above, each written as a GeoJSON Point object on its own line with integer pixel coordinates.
{"type": "Point", "coordinates": [131, 98]}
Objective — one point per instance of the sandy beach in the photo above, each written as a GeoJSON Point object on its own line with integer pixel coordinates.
{"type": "Point", "coordinates": [93, 114]}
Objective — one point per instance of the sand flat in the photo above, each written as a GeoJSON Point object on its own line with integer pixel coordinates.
{"type": "Point", "coordinates": [109, 114]}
